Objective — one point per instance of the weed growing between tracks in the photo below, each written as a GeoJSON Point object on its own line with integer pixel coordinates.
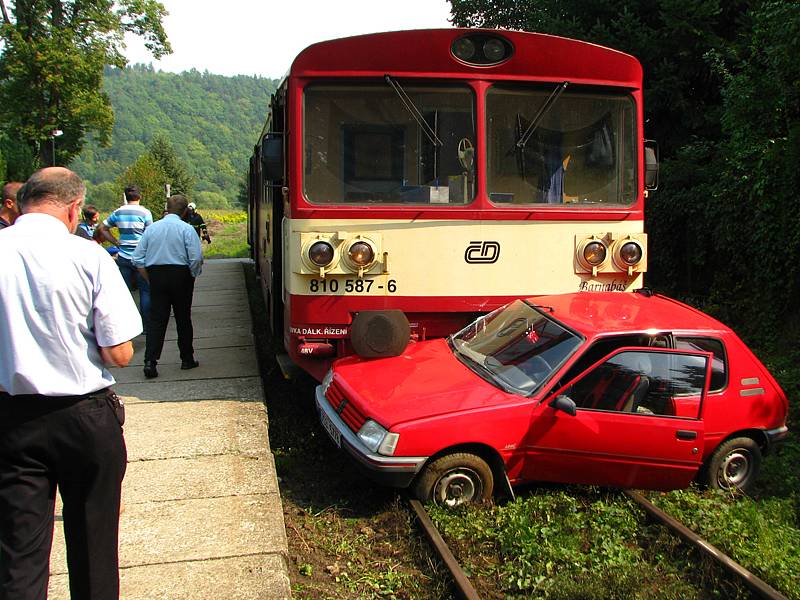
{"type": "Point", "coordinates": [560, 542]}
{"type": "Point", "coordinates": [347, 537]}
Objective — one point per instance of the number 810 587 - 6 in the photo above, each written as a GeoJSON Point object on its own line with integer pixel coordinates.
{"type": "Point", "coordinates": [357, 286]}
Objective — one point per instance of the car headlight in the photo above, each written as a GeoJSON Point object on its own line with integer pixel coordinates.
{"type": "Point", "coordinates": [376, 438]}
{"type": "Point", "coordinates": [327, 381]}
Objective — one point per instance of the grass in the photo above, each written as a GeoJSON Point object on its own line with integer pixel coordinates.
{"type": "Point", "coordinates": [562, 543]}
{"type": "Point", "coordinates": [228, 230]}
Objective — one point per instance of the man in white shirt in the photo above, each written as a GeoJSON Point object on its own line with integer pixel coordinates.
{"type": "Point", "coordinates": [65, 313]}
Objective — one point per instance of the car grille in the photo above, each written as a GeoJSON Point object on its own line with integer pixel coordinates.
{"type": "Point", "coordinates": [344, 408]}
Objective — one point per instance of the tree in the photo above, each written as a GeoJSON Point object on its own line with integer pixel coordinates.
{"type": "Point", "coordinates": [146, 173]}
{"type": "Point", "coordinates": [178, 176]}
{"type": "Point", "coordinates": [671, 38]}
{"type": "Point", "coordinates": [51, 67]}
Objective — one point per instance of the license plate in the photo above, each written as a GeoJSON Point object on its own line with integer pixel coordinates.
{"type": "Point", "coordinates": [331, 429]}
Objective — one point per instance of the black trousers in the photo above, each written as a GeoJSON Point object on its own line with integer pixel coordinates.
{"type": "Point", "coordinates": [171, 288]}
{"type": "Point", "coordinates": [75, 444]}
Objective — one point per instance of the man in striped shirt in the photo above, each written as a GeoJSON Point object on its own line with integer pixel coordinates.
{"type": "Point", "coordinates": [131, 221]}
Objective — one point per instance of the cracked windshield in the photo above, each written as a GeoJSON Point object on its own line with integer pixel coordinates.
{"type": "Point", "coordinates": [516, 347]}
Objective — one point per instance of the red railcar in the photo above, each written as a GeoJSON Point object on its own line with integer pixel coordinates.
{"type": "Point", "coordinates": [405, 182]}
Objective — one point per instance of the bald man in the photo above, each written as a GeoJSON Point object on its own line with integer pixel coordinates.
{"type": "Point", "coordinates": [8, 210]}
{"type": "Point", "coordinates": [65, 313]}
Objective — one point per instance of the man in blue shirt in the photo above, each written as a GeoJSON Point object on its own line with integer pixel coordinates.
{"type": "Point", "coordinates": [131, 220]}
{"type": "Point", "coordinates": [169, 255]}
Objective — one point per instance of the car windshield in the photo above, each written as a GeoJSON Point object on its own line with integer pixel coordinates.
{"type": "Point", "coordinates": [517, 347]}
{"type": "Point", "coordinates": [390, 143]}
{"type": "Point", "coordinates": [580, 151]}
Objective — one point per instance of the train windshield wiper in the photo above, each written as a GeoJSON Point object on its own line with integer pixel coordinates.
{"type": "Point", "coordinates": [414, 111]}
{"type": "Point", "coordinates": [523, 139]}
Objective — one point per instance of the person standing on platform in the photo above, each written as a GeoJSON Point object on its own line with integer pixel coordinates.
{"type": "Point", "coordinates": [196, 221]}
{"type": "Point", "coordinates": [65, 313]}
{"type": "Point", "coordinates": [8, 209]}
{"type": "Point", "coordinates": [170, 256]}
{"type": "Point", "coordinates": [87, 227]}
{"type": "Point", "coordinates": [131, 220]}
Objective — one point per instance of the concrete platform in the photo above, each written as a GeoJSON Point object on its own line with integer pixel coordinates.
{"type": "Point", "coordinates": [202, 510]}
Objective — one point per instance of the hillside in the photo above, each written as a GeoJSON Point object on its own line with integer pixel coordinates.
{"type": "Point", "coordinates": [211, 120]}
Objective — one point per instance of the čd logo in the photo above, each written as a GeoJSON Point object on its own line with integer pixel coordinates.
{"type": "Point", "coordinates": [482, 252]}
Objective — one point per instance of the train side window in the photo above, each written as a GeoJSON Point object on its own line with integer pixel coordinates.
{"type": "Point", "coordinates": [719, 365]}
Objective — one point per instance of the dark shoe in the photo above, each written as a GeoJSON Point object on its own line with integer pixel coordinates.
{"type": "Point", "coordinates": [189, 364]}
{"type": "Point", "coordinates": [150, 369]}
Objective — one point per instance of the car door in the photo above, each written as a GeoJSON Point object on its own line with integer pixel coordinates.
{"type": "Point", "coordinates": [625, 431]}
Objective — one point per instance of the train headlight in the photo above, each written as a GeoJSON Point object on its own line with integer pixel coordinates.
{"type": "Point", "coordinates": [321, 254]}
{"type": "Point", "coordinates": [630, 253]}
{"type": "Point", "coordinates": [464, 48]}
{"type": "Point", "coordinates": [494, 50]}
{"type": "Point", "coordinates": [594, 253]}
{"type": "Point", "coordinates": [361, 253]}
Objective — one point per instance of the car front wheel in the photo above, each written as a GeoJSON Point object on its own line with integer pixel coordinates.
{"type": "Point", "coordinates": [455, 479]}
{"type": "Point", "coordinates": [734, 465]}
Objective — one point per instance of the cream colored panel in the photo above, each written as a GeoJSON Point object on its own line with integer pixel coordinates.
{"type": "Point", "coordinates": [458, 258]}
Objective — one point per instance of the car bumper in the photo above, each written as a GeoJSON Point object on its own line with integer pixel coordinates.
{"type": "Point", "coordinates": [776, 436]}
{"type": "Point", "coordinates": [394, 471]}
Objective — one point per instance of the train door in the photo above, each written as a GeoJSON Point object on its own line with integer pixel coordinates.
{"type": "Point", "coordinates": [273, 180]}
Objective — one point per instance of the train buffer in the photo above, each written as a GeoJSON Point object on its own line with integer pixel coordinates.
{"type": "Point", "coordinates": [202, 515]}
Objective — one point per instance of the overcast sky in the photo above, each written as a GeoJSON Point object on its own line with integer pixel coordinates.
{"type": "Point", "coordinates": [247, 37]}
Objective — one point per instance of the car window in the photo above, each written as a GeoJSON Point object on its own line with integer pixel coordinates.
{"type": "Point", "coordinates": [719, 370]}
{"type": "Point", "coordinates": [517, 347]}
{"type": "Point", "coordinates": [605, 346]}
{"type": "Point", "coordinates": [643, 382]}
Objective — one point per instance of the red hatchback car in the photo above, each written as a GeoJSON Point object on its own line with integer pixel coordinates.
{"type": "Point", "coordinates": [619, 389]}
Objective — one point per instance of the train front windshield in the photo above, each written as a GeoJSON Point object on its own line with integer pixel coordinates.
{"type": "Point", "coordinates": [572, 147]}
{"type": "Point", "coordinates": [398, 143]}
{"type": "Point", "coordinates": [390, 143]}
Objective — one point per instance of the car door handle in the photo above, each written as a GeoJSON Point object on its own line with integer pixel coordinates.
{"type": "Point", "coordinates": [683, 434]}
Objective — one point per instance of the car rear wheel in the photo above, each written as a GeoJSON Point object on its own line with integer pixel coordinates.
{"type": "Point", "coordinates": [455, 479]}
{"type": "Point", "coordinates": [734, 465]}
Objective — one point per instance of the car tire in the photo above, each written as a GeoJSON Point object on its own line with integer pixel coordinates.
{"type": "Point", "coordinates": [734, 465]}
{"type": "Point", "coordinates": [455, 479]}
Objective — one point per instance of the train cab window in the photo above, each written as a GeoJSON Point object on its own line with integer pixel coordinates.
{"type": "Point", "coordinates": [389, 143]}
{"type": "Point", "coordinates": [719, 371]}
{"type": "Point", "coordinates": [546, 147]}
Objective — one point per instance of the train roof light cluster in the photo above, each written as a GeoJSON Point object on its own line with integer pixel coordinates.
{"type": "Point", "coordinates": [482, 49]}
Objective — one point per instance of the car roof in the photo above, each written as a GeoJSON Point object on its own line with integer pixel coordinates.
{"type": "Point", "coordinates": [596, 313]}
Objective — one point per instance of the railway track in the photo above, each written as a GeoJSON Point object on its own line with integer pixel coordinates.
{"type": "Point", "coordinates": [466, 590]}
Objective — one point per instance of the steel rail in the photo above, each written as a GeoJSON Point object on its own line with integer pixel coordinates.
{"type": "Point", "coordinates": [463, 585]}
{"type": "Point", "coordinates": [756, 585]}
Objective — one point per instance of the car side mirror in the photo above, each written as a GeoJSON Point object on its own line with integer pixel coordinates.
{"type": "Point", "coordinates": [564, 404]}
